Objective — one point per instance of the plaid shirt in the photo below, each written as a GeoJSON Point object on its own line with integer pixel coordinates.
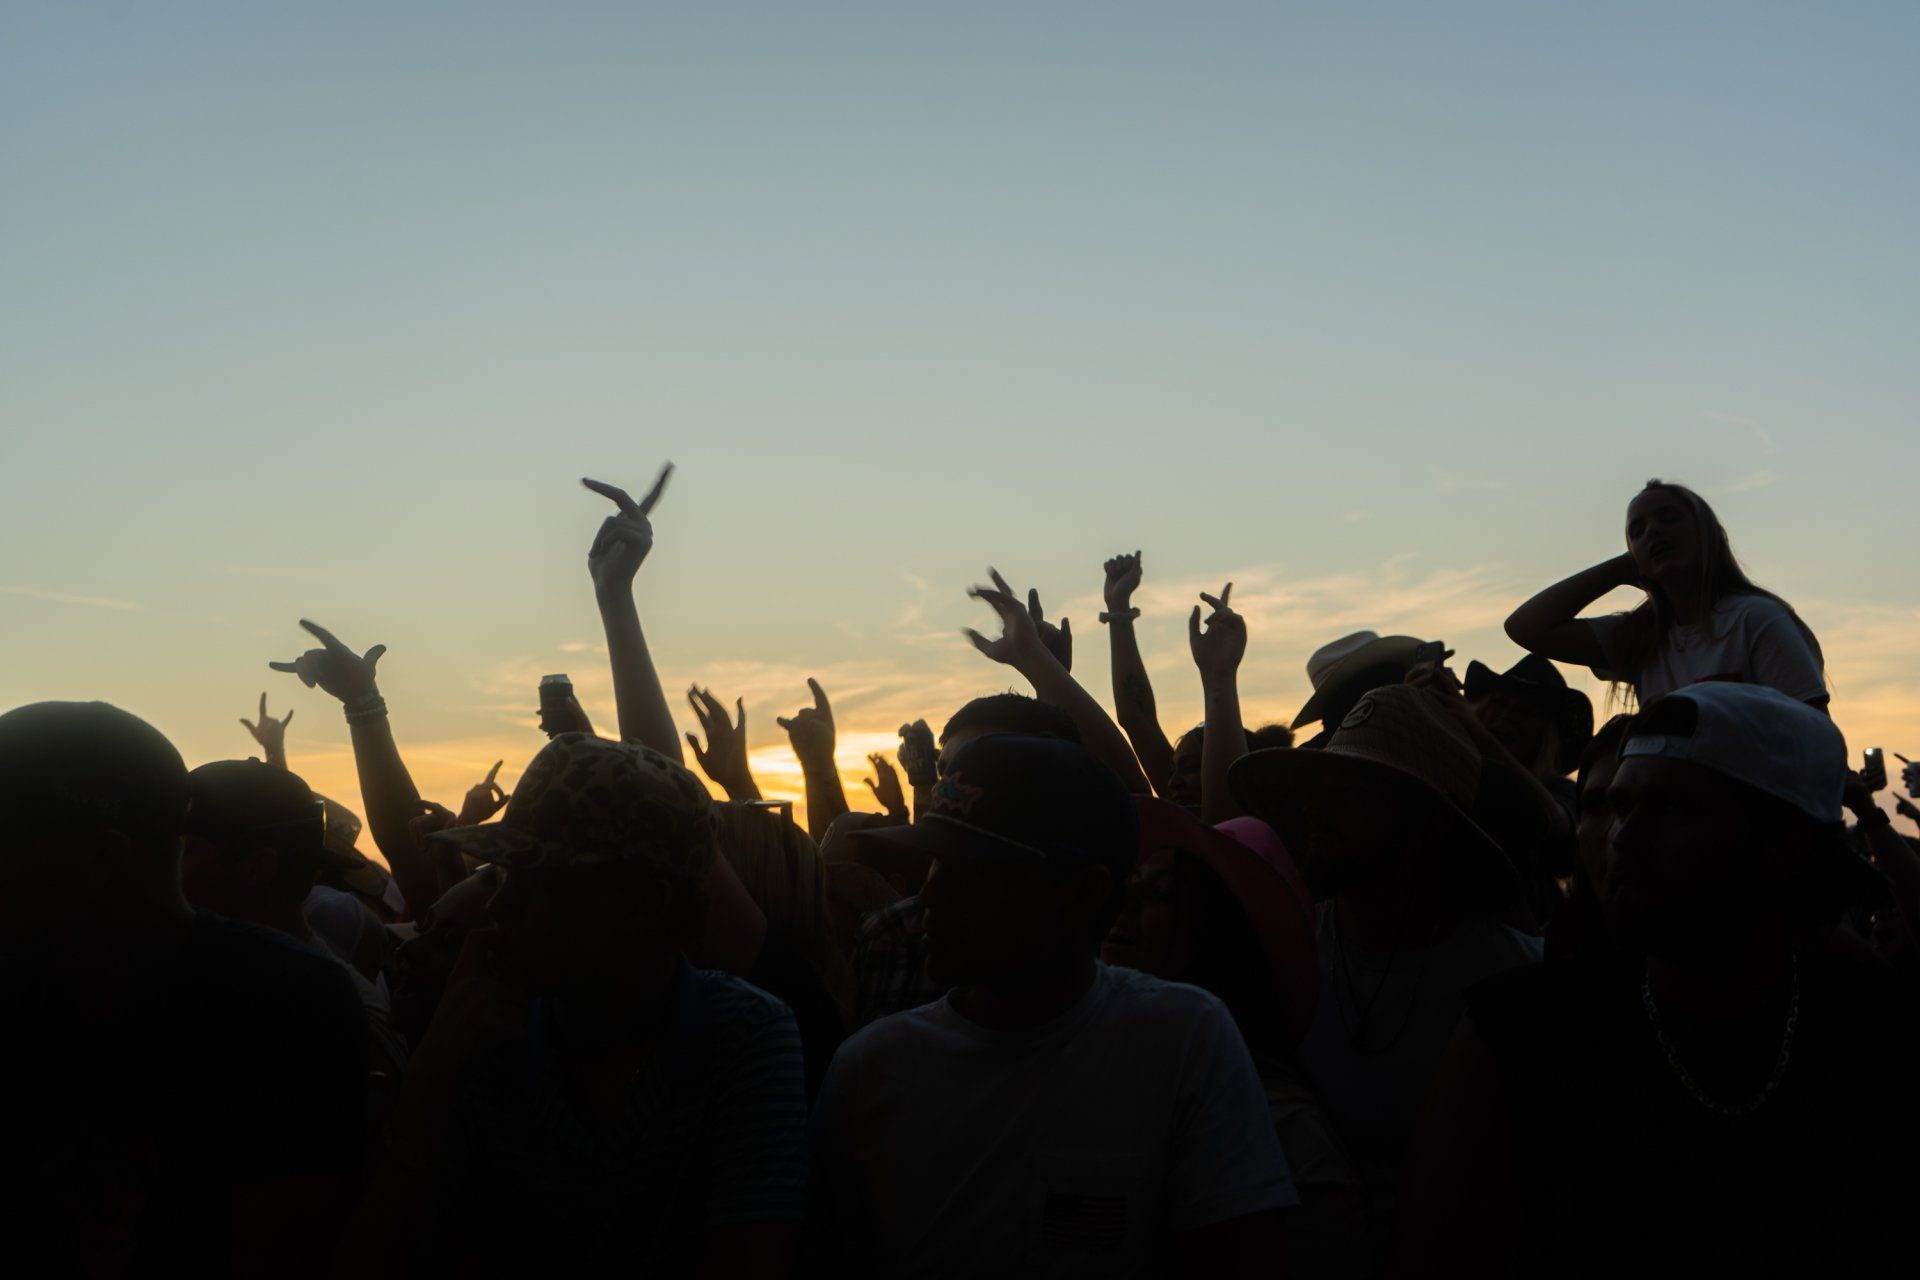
{"type": "Point", "coordinates": [890, 962]}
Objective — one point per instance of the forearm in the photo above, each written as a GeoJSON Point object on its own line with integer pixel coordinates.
{"type": "Point", "coordinates": [826, 800]}
{"type": "Point", "coordinates": [1545, 623]}
{"type": "Point", "coordinates": [637, 695]}
{"type": "Point", "coordinates": [1224, 742]}
{"type": "Point", "coordinates": [392, 802]}
{"type": "Point", "coordinates": [741, 789]}
{"type": "Point", "coordinates": [1133, 702]}
{"type": "Point", "coordinates": [1098, 733]}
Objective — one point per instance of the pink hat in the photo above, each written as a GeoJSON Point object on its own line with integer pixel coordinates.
{"type": "Point", "coordinates": [1253, 863]}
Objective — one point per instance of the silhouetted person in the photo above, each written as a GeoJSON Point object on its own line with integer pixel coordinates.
{"type": "Point", "coordinates": [1050, 1115]}
{"type": "Point", "coordinates": [1719, 1097]}
{"type": "Point", "coordinates": [585, 1100]}
{"type": "Point", "coordinates": [1702, 619]}
{"type": "Point", "coordinates": [189, 1091]}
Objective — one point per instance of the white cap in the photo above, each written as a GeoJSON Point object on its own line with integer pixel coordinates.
{"type": "Point", "coordinates": [1762, 738]}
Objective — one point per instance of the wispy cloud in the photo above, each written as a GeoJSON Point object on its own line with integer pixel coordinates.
{"type": "Point", "coordinates": [84, 602]}
{"type": "Point", "coordinates": [1760, 434]}
{"type": "Point", "coordinates": [1751, 481]}
{"type": "Point", "coordinates": [1356, 517]}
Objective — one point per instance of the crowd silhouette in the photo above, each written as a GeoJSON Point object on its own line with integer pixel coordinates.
{"type": "Point", "coordinates": [1439, 979]}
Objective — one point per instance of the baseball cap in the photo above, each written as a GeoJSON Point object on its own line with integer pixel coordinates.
{"type": "Point", "coordinates": [594, 801]}
{"type": "Point", "coordinates": [81, 765]}
{"type": "Point", "coordinates": [1009, 797]}
{"type": "Point", "coordinates": [1753, 734]}
{"type": "Point", "coordinates": [251, 799]}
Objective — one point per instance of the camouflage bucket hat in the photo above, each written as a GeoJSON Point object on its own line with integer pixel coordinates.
{"type": "Point", "coordinates": [587, 800]}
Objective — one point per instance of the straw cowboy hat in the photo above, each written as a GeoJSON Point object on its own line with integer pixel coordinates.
{"type": "Point", "coordinates": [1394, 736]}
{"type": "Point", "coordinates": [1333, 665]}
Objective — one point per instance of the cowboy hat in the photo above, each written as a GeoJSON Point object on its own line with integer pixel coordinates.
{"type": "Point", "coordinates": [1334, 664]}
{"type": "Point", "coordinates": [1396, 736]}
{"type": "Point", "coordinates": [1537, 681]}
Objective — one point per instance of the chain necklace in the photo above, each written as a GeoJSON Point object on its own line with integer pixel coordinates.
{"type": "Point", "coordinates": [1754, 1101]}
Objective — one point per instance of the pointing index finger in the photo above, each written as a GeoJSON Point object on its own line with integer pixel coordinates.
{"type": "Point", "coordinates": [493, 774]}
{"type": "Point", "coordinates": [819, 697]}
{"type": "Point", "coordinates": [326, 637]}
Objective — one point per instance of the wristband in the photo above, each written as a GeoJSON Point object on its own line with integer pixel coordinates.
{"type": "Point", "coordinates": [1120, 615]}
{"type": "Point", "coordinates": [372, 707]}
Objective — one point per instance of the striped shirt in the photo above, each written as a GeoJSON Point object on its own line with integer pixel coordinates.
{"type": "Point", "coordinates": [712, 1133]}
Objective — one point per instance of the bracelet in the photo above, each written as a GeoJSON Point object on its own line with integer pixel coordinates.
{"type": "Point", "coordinates": [1121, 615]}
{"type": "Point", "coordinates": [369, 708]}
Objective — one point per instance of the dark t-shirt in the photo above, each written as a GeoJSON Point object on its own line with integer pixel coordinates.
{"type": "Point", "coordinates": [1619, 1169]}
{"type": "Point", "coordinates": [244, 1060]}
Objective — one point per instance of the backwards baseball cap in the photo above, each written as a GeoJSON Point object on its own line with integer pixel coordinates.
{"type": "Point", "coordinates": [81, 765]}
{"type": "Point", "coordinates": [1008, 797]}
{"type": "Point", "coordinates": [1753, 734]}
{"type": "Point", "coordinates": [585, 799]}
{"type": "Point", "coordinates": [252, 800]}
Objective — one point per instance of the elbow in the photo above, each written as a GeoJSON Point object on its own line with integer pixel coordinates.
{"type": "Point", "coordinates": [1518, 631]}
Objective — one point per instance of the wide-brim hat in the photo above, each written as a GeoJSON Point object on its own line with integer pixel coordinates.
{"type": "Point", "coordinates": [1334, 664]}
{"type": "Point", "coordinates": [1395, 737]}
{"type": "Point", "coordinates": [1536, 680]}
{"type": "Point", "coordinates": [1252, 862]}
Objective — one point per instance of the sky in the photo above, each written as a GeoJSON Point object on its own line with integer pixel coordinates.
{"type": "Point", "coordinates": [1381, 312]}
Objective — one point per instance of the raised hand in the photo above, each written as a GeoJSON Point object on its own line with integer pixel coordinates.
{"type": "Point", "coordinates": [1218, 649]}
{"type": "Point", "coordinates": [271, 734]}
{"type": "Point", "coordinates": [1434, 676]}
{"type": "Point", "coordinates": [1019, 643]}
{"type": "Point", "coordinates": [1905, 808]}
{"type": "Point", "coordinates": [1057, 640]}
{"type": "Point", "coordinates": [810, 729]}
{"type": "Point", "coordinates": [724, 758]}
{"type": "Point", "coordinates": [624, 538]}
{"type": "Point", "coordinates": [484, 799]}
{"type": "Point", "coordinates": [887, 789]}
{"type": "Point", "coordinates": [335, 668]}
{"type": "Point", "coordinates": [918, 755]}
{"type": "Point", "coordinates": [1123, 579]}
{"type": "Point", "coordinates": [1909, 774]}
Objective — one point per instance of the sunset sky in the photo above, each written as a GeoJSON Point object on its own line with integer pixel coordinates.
{"type": "Point", "coordinates": [1381, 312]}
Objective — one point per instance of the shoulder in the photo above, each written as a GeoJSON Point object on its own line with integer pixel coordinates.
{"type": "Point", "coordinates": [246, 959]}
{"type": "Point", "coordinates": [1755, 612]}
{"type": "Point", "coordinates": [1135, 995]}
{"type": "Point", "coordinates": [727, 1001]}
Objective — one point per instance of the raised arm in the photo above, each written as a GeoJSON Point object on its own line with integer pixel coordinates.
{"type": "Point", "coordinates": [919, 760]}
{"type": "Point", "coordinates": [271, 734]}
{"type": "Point", "coordinates": [1217, 652]}
{"type": "Point", "coordinates": [1549, 624]}
{"type": "Point", "coordinates": [1021, 648]}
{"type": "Point", "coordinates": [618, 550]}
{"type": "Point", "coordinates": [811, 732]}
{"type": "Point", "coordinates": [1133, 703]}
{"type": "Point", "coordinates": [386, 788]}
{"type": "Point", "coordinates": [724, 758]}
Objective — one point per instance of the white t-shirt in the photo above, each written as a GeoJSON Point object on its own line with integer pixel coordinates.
{"type": "Point", "coordinates": [1071, 1149]}
{"type": "Point", "coordinates": [1750, 640]}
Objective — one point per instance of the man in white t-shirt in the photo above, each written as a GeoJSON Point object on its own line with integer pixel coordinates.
{"type": "Point", "coordinates": [1050, 1116]}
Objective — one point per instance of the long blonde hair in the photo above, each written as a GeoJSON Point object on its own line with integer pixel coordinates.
{"type": "Point", "coordinates": [1650, 622]}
